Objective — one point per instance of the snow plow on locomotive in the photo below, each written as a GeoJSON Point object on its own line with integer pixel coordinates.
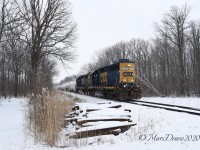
{"type": "Point", "coordinates": [116, 81]}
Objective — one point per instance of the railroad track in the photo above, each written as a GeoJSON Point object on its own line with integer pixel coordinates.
{"type": "Point", "coordinates": [176, 108]}
{"type": "Point", "coordinates": [170, 107]}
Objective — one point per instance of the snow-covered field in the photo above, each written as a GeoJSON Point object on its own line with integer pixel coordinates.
{"type": "Point", "coordinates": [12, 122]}
{"type": "Point", "coordinates": [155, 129]}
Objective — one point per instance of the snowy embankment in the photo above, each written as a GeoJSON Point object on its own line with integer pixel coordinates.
{"type": "Point", "coordinates": [155, 129]}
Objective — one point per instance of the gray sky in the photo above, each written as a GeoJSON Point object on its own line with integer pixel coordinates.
{"type": "Point", "coordinates": [102, 23]}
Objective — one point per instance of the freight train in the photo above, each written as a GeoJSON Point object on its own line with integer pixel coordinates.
{"type": "Point", "coordinates": [115, 81]}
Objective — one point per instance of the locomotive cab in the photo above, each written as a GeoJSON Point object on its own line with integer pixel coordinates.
{"type": "Point", "coordinates": [128, 87]}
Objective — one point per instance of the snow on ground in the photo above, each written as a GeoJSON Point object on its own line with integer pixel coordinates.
{"type": "Point", "coordinates": [13, 133]}
{"type": "Point", "coordinates": [155, 129]}
{"type": "Point", "coordinates": [188, 101]}
{"type": "Point", "coordinates": [11, 124]}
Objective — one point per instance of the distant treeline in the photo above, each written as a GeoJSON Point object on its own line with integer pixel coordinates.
{"type": "Point", "coordinates": [170, 61]}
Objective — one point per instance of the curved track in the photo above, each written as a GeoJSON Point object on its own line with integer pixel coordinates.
{"type": "Point", "coordinates": [177, 108]}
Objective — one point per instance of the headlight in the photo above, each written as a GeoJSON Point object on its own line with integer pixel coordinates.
{"type": "Point", "coordinates": [125, 85]}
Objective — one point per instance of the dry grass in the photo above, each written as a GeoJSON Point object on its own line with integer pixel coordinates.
{"type": "Point", "coordinates": [46, 115]}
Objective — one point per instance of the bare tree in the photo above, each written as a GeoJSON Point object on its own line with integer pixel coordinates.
{"type": "Point", "coordinates": [194, 44]}
{"type": "Point", "coordinates": [3, 18]}
{"type": "Point", "coordinates": [8, 15]}
{"type": "Point", "coordinates": [46, 72]}
{"type": "Point", "coordinates": [15, 53]}
{"type": "Point", "coordinates": [48, 30]}
{"type": "Point", "coordinates": [176, 25]}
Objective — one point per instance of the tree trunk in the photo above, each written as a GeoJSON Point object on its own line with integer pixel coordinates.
{"type": "Point", "coordinates": [16, 84]}
{"type": "Point", "coordinates": [33, 84]}
{"type": "Point", "coordinates": [182, 73]}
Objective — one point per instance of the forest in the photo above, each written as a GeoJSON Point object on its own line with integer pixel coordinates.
{"type": "Point", "coordinates": [36, 34]}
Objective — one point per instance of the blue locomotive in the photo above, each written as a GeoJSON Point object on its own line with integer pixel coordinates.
{"type": "Point", "coordinates": [117, 81]}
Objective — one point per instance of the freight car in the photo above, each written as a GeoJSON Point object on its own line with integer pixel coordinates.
{"type": "Point", "coordinates": [117, 81]}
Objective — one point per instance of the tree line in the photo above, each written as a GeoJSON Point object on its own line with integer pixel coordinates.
{"type": "Point", "coordinates": [170, 61]}
{"type": "Point", "coordinates": [33, 35]}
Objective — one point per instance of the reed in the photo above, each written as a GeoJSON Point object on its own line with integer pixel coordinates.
{"type": "Point", "coordinates": [46, 114]}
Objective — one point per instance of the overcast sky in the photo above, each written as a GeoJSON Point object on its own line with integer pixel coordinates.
{"type": "Point", "coordinates": [102, 23]}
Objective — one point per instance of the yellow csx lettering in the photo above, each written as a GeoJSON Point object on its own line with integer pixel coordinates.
{"type": "Point", "coordinates": [104, 77]}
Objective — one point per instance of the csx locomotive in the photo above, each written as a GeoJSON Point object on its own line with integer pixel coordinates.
{"type": "Point", "coordinates": [116, 81]}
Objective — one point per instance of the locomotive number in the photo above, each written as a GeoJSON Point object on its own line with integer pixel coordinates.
{"type": "Point", "coordinates": [129, 74]}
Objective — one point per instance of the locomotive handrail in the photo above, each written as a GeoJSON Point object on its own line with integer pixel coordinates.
{"type": "Point", "coordinates": [149, 85]}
